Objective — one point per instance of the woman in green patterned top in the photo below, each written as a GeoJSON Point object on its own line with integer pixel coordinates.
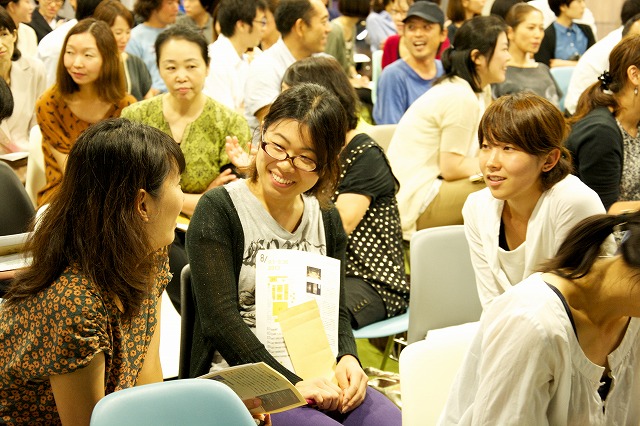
{"type": "Point", "coordinates": [198, 123]}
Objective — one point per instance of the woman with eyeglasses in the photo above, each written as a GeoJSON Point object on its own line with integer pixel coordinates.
{"type": "Point", "coordinates": [283, 203]}
{"type": "Point", "coordinates": [385, 20]}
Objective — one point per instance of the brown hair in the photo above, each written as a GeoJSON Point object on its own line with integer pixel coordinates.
{"type": "Point", "coordinates": [319, 112]}
{"type": "Point", "coordinates": [92, 223]}
{"type": "Point", "coordinates": [109, 10]}
{"type": "Point", "coordinates": [624, 55]}
{"type": "Point", "coordinates": [531, 123]}
{"type": "Point", "coordinates": [518, 13]}
{"type": "Point", "coordinates": [111, 82]}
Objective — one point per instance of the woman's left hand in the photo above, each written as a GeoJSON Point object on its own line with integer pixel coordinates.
{"type": "Point", "coordinates": [238, 156]}
{"type": "Point", "coordinates": [353, 382]}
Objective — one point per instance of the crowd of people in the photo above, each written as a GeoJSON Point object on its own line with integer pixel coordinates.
{"type": "Point", "coordinates": [251, 119]}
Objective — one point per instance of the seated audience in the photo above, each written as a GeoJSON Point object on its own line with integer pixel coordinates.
{"type": "Point", "coordinates": [395, 47]}
{"type": "Point", "coordinates": [341, 41]}
{"type": "Point", "coordinates": [26, 78]}
{"type": "Point", "coordinates": [605, 136]}
{"type": "Point", "coordinates": [197, 17]}
{"type": "Point", "coordinates": [90, 88]}
{"type": "Point", "coordinates": [404, 81]}
{"type": "Point", "coordinates": [595, 60]}
{"type": "Point", "coordinates": [524, 73]}
{"type": "Point", "coordinates": [270, 33]}
{"type": "Point", "coordinates": [50, 47]}
{"type": "Point", "coordinates": [120, 19]}
{"type": "Point", "coordinates": [365, 196]}
{"type": "Point", "coordinates": [157, 15]}
{"type": "Point", "coordinates": [384, 20]}
{"type": "Point", "coordinates": [531, 200]}
{"type": "Point", "coordinates": [83, 320]}
{"type": "Point", "coordinates": [196, 122]}
{"type": "Point", "coordinates": [550, 16]}
{"type": "Point", "coordinates": [20, 11]}
{"type": "Point", "coordinates": [432, 152]}
{"type": "Point", "coordinates": [562, 347]}
{"type": "Point", "coordinates": [242, 25]}
{"type": "Point", "coordinates": [459, 12]}
{"type": "Point", "coordinates": [284, 203]}
{"type": "Point", "coordinates": [304, 25]}
{"type": "Point", "coordinates": [45, 17]}
{"type": "Point", "coordinates": [565, 40]}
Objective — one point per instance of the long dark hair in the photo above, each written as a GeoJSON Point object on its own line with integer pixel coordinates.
{"type": "Point", "coordinates": [581, 248]}
{"type": "Point", "coordinates": [604, 93]}
{"type": "Point", "coordinates": [321, 113]}
{"type": "Point", "coordinates": [480, 33]}
{"type": "Point", "coordinates": [92, 222]}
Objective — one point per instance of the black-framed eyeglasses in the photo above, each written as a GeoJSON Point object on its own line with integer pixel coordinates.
{"type": "Point", "coordinates": [262, 21]}
{"type": "Point", "coordinates": [277, 152]}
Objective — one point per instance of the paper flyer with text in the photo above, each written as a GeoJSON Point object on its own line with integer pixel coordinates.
{"type": "Point", "coordinates": [286, 278]}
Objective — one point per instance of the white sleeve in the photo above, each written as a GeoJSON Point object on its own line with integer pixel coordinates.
{"type": "Point", "coordinates": [506, 377]}
{"type": "Point", "coordinates": [486, 283]}
{"type": "Point", "coordinates": [575, 203]}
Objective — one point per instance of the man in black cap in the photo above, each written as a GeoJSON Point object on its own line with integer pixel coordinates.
{"type": "Point", "coordinates": [407, 79]}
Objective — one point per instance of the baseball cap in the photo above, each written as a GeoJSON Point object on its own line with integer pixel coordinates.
{"type": "Point", "coordinates": [426, 10]}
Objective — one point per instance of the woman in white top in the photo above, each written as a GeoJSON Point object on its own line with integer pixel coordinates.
{"type": "Point", "coordinates": [432, 152]}
{"type": "Point", "coordinates": [20, 11]}
{"type": "Point", "coordinates": [531, 201]}
{"type": "Point", "coordinates": [562, 347]}
{"type": "Point", "coordinates": [27, 80]}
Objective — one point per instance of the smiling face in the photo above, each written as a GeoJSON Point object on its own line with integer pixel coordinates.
{"type": "Point", "coordinates": [511, 173]}
{"type": "Point", "coordinates": [122, 32]}
{"type": "Point", "coordinates": [280, 181]}
{"type": "Point", "coordinates": [82, 59]}
{"type": "Point", "coordinates": [398, 11]}
{"type": "Point", "coordinates": [314, 35]}
{"type": "Point", "coordinates": [528, 34]}
{"type": "Point", "coordinates": [7, 45]}
{"type": "Point", "coordinates": [182, 68]}
{"type": "Point", "coordinates": [494, 70]}
{"type": "Point", "coordinates": [422, 38]}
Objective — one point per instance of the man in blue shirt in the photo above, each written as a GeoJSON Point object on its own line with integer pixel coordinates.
{"type": "Point", "coordinates": [407, 79]}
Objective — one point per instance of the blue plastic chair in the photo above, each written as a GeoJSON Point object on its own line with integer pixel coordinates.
{"type": "Point", "coordinates": [562, 76]}
{"type": "Point", "coordinates": [192, 402]}
{"type": "Point", "coordinates": [389, 327]}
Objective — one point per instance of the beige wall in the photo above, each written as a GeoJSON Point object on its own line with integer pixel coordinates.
{"type": "Point", "coordinates": [607, 14]}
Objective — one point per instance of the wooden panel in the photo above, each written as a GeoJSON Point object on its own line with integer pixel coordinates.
{"type": "Point", "coordinates": [607, 14]}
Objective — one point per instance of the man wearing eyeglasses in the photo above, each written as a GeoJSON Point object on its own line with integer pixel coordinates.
{"type": "Point", "coordinates": [242, 24]}
{"type": "Point", "coordinates": [304, 26]}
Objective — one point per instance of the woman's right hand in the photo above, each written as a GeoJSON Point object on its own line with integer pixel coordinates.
{"type": "Point", "coordinates": [325, 394]}
{"type": "Point", "coordinates": [223, 178]}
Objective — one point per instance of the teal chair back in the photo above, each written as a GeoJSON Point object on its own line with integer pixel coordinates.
{"type": "Point", "coordinates": [192, 402]}
{"type": "Point", "coordinates": [562, 76]}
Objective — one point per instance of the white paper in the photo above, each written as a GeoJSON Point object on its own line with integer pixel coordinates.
{"type": "Point", "coordinates": [286, 278]}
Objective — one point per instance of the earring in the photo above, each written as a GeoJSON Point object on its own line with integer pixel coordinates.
{"type": "Point", "coordinates": [635, 91]}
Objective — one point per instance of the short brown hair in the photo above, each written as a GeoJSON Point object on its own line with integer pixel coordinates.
{"type": "Point", "coordinates": [531, 123]}
{"type": "Point", "coordinates": [109, 10]}
{"type": "Point", "coordinates": [111, 81]}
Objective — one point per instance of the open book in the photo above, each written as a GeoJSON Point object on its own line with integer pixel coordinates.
{"type": "Point", "coordinates": [259, 380]}
{"type": "Point", "coordinates": [11, 255]}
